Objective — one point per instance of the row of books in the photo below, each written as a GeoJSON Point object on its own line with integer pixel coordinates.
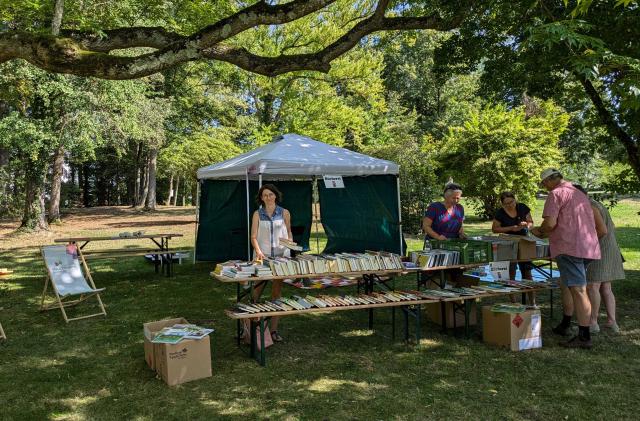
{"type": "Point", "coordinates": [435, 258]}
{"type": "Point", "coordinates": [296, 302]}
{"type": "Point", "coordinates": [179, 332]}
{"type": "Point", "coordinates": [306, 264]}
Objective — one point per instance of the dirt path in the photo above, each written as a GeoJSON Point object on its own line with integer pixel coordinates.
{"type": "Point", "coordinates": [99, 221]}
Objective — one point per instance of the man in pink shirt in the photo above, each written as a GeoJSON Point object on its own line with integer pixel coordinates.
{"type": "Point", "coordinates": [573, 241]}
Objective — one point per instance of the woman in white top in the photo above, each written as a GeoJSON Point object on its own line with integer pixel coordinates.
{"type": "Point", "coordinates": [270, 223]}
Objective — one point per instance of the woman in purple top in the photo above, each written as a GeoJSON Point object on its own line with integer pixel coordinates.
{"type": "Point", "coordinates": [443, 220]}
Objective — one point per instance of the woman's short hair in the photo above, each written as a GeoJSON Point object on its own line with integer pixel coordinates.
{"type": "Point", "coordinates": [272, 188]}
{"type": "Point", "coordinates": [452, 187]}
{"type": "Point", "coordinates": [506, 194]}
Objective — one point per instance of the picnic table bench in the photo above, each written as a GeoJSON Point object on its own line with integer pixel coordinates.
{"type": "Point", "coordinates": [164, 255]}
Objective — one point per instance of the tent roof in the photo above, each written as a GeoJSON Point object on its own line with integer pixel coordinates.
{"type": "Point", "coordinates": [296, 155]}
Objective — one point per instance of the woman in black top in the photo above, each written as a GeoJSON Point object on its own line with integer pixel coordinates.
{"type": "Point", "coordinates": [513, 218]}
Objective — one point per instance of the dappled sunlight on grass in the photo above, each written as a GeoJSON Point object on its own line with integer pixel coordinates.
{"type": "Point", "coordinates": [429, 343]}
{"type": "Point", "coordinates": [357, 333]}
{"type": "Point", "coordinates": [327, 385]}
{"type": "Point", "coordinates": [330, 366]}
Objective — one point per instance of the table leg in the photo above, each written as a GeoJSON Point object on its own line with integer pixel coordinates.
{"type": "Point", "coordinates": [405, 312]}
{"type": "Point", "coordinates": [443, 315]}
{"type": "Point", "coordinates": [467, 310]}
{"type": "Point", "coordinates": [418, 327]}
{"type": "Point", "coordinates": [262, 354]}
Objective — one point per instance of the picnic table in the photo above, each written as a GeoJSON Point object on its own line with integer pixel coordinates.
{"type": "Point", "coordinates": [163, 254]}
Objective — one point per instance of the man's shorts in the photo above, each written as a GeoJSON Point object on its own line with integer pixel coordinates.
{"type": "Point", "coordinates": [573, 270]}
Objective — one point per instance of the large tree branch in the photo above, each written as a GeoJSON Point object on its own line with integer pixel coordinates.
{"type": "Point", "coordinates": [260, 13]}
{"type": "Point", "coordinates": [87, 55]}
{"type": "Point", "coordinates": [614, 129]}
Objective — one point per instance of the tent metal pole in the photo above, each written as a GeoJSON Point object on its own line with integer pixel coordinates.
{"type": "Point", "coordinates": [259, 180]}
{"type": "Point", "coordinates": [399, 213]}
{"type": "Point", "coordinates": [246, 172]}
{"type": "Point", "coordinates": [195, 244]}
{"type": "Point", "coordinates": [316, 216]}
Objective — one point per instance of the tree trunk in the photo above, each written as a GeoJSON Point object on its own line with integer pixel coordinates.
{"type": "Point", "coordinates": [56, 22]}
{"type": "Point", "coordinates": [612, 126]}
{"type": "Point", "coordinates": [144, 191]}
{"type": "Point", "coordinates": [175, 193]}
{"type": "Point", "coordinates": [153, 162]}
{"type": "Point", "coordinates": [56, 183]}
{"type": "Point", "coordinates": [194, 193]}
{"type": "Point", "coordinates": [168, 202]}
{"type": "Point", "coordinates": [86, 200]}
{"type": "Point", "coordinates": [33, 216]}
{"type": "Point", "coordinates": [136, 190]}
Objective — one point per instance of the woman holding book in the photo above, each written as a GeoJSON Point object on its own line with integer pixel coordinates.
{"type": "Point", "coordinates": [270, 223]}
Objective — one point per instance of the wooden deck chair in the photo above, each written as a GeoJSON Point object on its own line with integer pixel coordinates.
{"type": "Point", "coordinates": [67, 280]}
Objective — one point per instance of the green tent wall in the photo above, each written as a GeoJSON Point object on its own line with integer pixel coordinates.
{"type": "Point", "coordinates": [222, 228]}
{"type": "Point", "coordinates": [362, 216]}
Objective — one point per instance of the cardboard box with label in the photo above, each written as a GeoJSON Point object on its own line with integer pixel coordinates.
{"type": "Point", "coordinates": [516, 331]}
{"type": "Point", "coordinates": [526, 246]}
{"type": "Point", "coordinates": [434, 312]}
{"type": "Point", "coordinates": [187, 360]}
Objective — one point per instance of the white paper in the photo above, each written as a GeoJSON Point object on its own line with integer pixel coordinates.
{"type": "Point", "coordinates": [499, 270]}
{"type": "Point", "coordinates": [535, 325]}
{"type": "Point", "coordinates": [530, 343]}
{"type": "Point", "coordinates": [333, 181]}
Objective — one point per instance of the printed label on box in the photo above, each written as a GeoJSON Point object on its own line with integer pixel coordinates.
{"type": "Point", "coordinates": [530, 343]}
{"type": "Point", "coordinates": [535, 325]}
{"type": "Point", "coordinates": [178, 355]}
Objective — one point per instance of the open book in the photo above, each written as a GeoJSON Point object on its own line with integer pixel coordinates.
{"type": "Point", "coordinates": [291, 245]}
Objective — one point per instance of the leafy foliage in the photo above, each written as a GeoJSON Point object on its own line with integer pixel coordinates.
{"type": "Point", "coordinates": [500, 149]}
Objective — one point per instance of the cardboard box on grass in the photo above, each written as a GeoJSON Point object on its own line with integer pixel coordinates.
{"type": "Point", "coordinates": [187, 360]}
{"type": "Point", "coordinates": [516, 331]}
{"type": "Point", "coordinates": [526, 246]}
{"type": "Point", "coordinates": [434, 312]}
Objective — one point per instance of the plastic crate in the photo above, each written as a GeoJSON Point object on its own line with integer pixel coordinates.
{"type": "Point", "coordinates": [471, 251]}
{"type": "Point", "coordinates": [501, 248]}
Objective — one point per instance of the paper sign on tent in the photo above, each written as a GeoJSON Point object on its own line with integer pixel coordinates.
{"type": "Point", "coordinates": [333, 181]}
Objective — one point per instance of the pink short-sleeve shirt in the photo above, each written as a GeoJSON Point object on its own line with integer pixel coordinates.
{"type": "Point", "coordinates": [575, 231]}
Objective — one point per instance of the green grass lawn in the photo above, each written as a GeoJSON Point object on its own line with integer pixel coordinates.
{"type": "Point", "coordinates": [329, 366]}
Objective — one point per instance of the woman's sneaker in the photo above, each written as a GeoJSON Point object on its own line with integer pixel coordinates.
{"type": "Point", "coordinates": [594, 328]}
{"type": "Point", "coordinates": [613, 327]}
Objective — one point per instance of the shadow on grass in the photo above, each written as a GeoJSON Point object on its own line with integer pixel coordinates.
{"type": "Point", "coordinates": [329, 367]}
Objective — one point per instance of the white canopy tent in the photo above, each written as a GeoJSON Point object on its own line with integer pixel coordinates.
{"type": "Point", "coordinates": [292, 156]}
